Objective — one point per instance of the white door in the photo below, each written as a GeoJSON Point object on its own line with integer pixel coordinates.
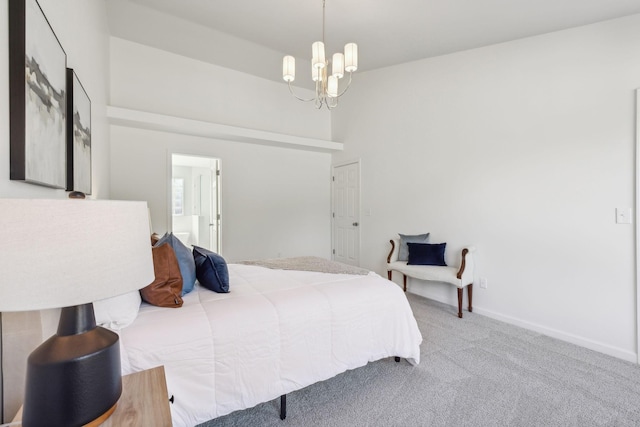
{"type": "Point", "coordinates": [214, 224]}
{"type": "Point", "coordinates": [346, 213]}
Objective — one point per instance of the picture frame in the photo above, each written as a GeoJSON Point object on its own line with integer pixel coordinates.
{"type": "Point", "coordinates": [78, 135]}
{"type": "Point", "coordinates": [37, 97]}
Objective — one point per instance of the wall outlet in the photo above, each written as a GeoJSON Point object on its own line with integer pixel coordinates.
{"type": "Point", "coordinates": [623, 215]}
{"type": "Point", "coordinates": [483, 283]}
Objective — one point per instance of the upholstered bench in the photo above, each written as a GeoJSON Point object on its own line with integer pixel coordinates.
{"type": "Point", "coordinates": [460, 276]}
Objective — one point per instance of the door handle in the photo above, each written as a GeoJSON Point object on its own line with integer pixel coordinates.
{"type": "Point", "coordinates": [355, 224]}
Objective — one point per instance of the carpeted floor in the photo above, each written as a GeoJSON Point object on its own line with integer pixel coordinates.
{"type": "Point", "coordinates": [474, 371]}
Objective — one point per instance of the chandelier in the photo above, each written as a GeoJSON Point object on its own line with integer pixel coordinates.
{"type": "Point", "coordinates": [327, 92]}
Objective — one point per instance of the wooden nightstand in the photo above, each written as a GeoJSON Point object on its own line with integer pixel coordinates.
{"type": "Point", "coordinates": [144, 401]}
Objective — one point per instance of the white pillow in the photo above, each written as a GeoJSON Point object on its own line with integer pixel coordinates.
{"type": "Point", "coordinates": [117, 312]}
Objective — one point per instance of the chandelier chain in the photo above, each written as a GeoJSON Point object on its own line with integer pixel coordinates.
{"type": "Point", "coordinates": [323, 18]}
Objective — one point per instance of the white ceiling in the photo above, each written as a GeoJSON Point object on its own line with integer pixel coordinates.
{"type": "Point", "coordinates": [387, 33]}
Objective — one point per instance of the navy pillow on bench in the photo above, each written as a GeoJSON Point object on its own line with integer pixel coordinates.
{"type": "Point", "coordinates": [426, 254]}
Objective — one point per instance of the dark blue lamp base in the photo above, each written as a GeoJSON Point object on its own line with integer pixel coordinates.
{"type": "Point", "coordinates": [74, 377]}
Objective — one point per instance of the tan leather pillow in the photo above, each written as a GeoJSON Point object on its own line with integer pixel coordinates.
{"type": "Point", "coordinates": [166, 289]}
{"type": "Point", "coordinates": [154, 238]}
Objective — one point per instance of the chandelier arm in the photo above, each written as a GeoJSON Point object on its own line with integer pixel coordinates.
{"type": "Point", "coordinates": [297, 97]}
{"type": "Point", "coordinates": [320, 99]}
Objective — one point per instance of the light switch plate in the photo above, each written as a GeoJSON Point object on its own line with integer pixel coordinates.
{"type": "Point", "coordinates": [623, 215]}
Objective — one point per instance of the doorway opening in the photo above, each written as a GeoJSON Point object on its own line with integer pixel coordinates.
{"type": "Point", "coordinates": [195, 200]}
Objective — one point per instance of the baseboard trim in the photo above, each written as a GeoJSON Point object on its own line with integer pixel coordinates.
{"type": "Point", "coordinates": [609, 350]}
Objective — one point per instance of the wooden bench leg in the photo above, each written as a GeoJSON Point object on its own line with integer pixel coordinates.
{"type": "Point", "coordinates": [460, 303]}
{"type": "Point", "coordinates": [470, 292]}
{"type": "Point", "coordinates": [405, 282]}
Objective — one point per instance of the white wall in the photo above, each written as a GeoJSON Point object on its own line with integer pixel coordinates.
{"type": "Point", "coordinates": [524, 149]}
{"type": "Point", "coordinates": [142, 24]}
{"type": "Point", "coordinates": [275, 201]}
{"type": "Point", "coordinates": [148, 79]}
{"type": "Point", "coordinates": [81, 27]}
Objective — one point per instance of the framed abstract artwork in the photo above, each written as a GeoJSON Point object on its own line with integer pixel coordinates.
{"type": "Point", "coordinates": [78, 135]}
{"type": "Point", "coordinates": [37, 97]}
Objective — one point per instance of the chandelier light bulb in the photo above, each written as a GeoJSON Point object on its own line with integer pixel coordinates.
{"type": "Point", "coordinates": [315, 73]}
{"type": "Point", "coordinates": [350, 57]}
{"type": "Point", "coordinates": [289, 68]}
{"type": "Point", "coordinates": [337, 65]}
{"type": "Point", "coordinates": [317, 55]}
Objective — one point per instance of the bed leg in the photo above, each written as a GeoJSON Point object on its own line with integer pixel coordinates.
{"type": "Point", "coordinates": [397, 359]}
{"type": "Point", "coordinates": [283, 406]}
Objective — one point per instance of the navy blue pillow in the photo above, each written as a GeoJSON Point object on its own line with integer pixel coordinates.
{"type": "Point", "coordinates": [211, 270]}
{"type": "Point", "coordinates": [426, 254]}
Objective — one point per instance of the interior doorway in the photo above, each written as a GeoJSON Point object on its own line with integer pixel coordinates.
{"type": "Point", "coordinates": [346, 213]}
{"type": "Point", "coordinates": [195, 200]}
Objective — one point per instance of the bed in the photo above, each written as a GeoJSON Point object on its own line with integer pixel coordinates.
{"type": "Point", "coordinates": [277, 331]}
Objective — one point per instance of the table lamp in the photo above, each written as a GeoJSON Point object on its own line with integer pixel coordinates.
{"type": "Point", "coordinates": [69, 253]}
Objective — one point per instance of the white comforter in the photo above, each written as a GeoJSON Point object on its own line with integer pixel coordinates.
{"type": "Point", "coordinates": [276, 331]}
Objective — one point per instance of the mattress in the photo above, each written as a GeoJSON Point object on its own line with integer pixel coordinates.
{"type": "Point", "coordinates": [275, 332]}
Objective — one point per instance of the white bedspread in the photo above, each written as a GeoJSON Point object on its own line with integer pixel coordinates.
{"type": "Point", "coordinates": [276, 331]}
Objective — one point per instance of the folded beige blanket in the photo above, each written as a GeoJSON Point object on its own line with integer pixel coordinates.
{"type": "Point", "coordinates": [308, 263]}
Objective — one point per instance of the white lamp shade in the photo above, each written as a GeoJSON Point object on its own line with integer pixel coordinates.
{"type": "Point", "coordinates": [337, 65]}
{"type": "Point", "coordinates": [317, 55]}
{"type": "Point", "coordinates": [289, 68]}
{"type": "Point", "coordinates": [350, 57]}
{"type": "Point", "coordinates": [332, 87]}
{"type": "Point", "coordinates": [61, 253]}
{"type": "Point", "coordinates": [316, 73]}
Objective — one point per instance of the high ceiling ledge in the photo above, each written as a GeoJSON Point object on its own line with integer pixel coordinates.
{"type": "Point", "coordinates": [159, 122]}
